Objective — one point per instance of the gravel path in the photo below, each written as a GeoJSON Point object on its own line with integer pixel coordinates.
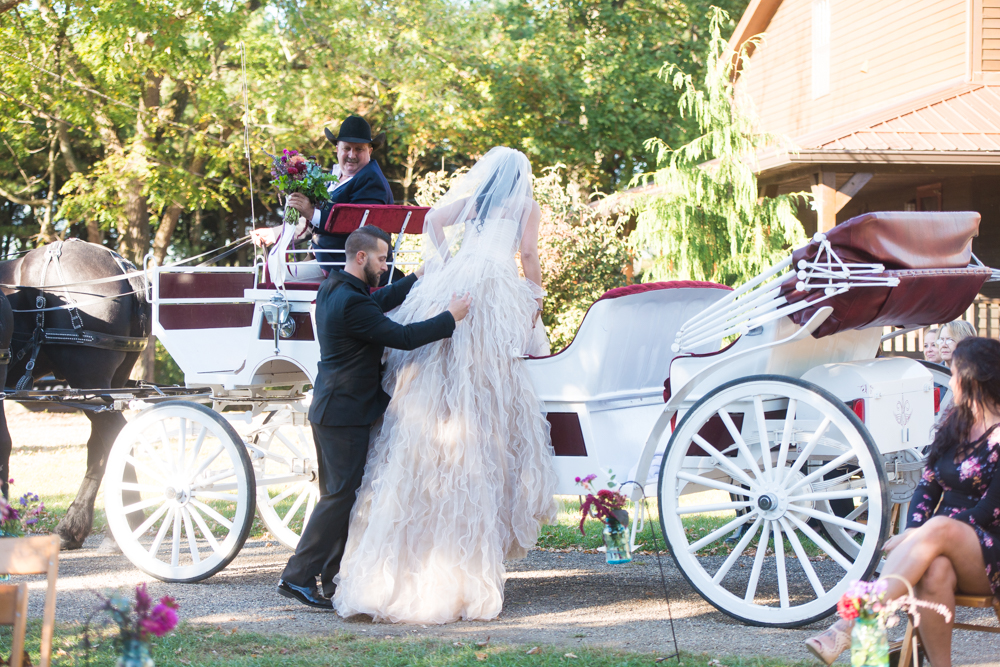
{"type": "Point", "coordinates": [566, 599]}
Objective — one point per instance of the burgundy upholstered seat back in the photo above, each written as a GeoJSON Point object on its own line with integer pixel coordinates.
{"type": "Point", "coordinates": [928, 252]}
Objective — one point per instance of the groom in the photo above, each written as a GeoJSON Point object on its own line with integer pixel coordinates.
{"type": "Point", "coordinates": [353, 332]}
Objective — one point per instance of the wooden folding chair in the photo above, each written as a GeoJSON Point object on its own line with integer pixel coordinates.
{"type": "Point", "coordinates": [28, 555]}
{"type": "Point", "coordinates": [976, 601]}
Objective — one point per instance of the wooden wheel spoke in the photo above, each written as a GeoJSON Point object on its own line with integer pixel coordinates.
{"type": "Point", "coordinates": [765, 444]}
{"type": "Point", "coordinates": [822, 470]}
{"type": "Point", "coordinates": [143, 504]}
{"type": "Point", "coordinates": [160, 511]}
{"type": "Point", "coordinates": [192, 540]}
{"type": "Point", "coordinates": [717, 507]}
{"type": "Point", "coordinates": [162, 532]}
{"type": "Point", "coordinates": [738, 550]}
{"type": "Point", "coordinates": [295, 507]}
{"type": "Point", "coordinates": [719, 532]}
{"type": "Point", "coordinates": [818, 540]}
{"type": "Point", "coordinates": [723, 460]}
{"type": "Point", "coordinates": [786, 439]}
{"type": "Point", "coordinates": [827, 517]}
{"type": "Point", "coordinates": [711, 483]}
{"type": "Point", "coordinates": [803, 559]}
{"type": "Point", "coordinates": [741, 445]}
{"type": "Point", "coordinates": [779, 565]}
{"type": "Point", "coordinates": [758, 562]}
{"type": "Point", "coordinates": [810, 446]}
{"type": "Point", "coordinates": [205, 530]}
{"type": "Point", "coordinates": [175, 547]}
{"type": "Point", "coordinates": [218, 518]}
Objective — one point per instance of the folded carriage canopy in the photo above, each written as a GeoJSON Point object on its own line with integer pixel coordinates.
{"type": "Point", "coordinates": [928, 252]}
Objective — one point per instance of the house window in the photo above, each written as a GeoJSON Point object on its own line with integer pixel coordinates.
{"type": "Point", "coordinates": [929, 197]}
{"type": "Point", "coordinates": [820, 48]}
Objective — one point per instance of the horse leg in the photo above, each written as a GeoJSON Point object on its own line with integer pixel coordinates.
{"type": "Point", "coordinates": [75, 526]}
{"type": "Point", "coordinates": [6, 443]}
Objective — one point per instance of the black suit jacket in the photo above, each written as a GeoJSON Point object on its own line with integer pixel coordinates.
{"type": "Point", "coordinates": [368, 186]}
{"type": "Point", "coordinates": [353, 333]}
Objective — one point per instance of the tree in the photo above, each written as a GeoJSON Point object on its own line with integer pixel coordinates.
{"type": "Point", "coordinates": [707, 220]}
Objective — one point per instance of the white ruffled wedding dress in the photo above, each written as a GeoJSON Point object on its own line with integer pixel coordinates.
{"type": "Point", "coordinates": [460, 475]}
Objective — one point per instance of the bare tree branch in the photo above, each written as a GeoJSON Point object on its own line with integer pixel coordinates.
{"type": "Point", "coordinates": [7, 5]}
{"type": "Point", "coordinates": [18, 200]}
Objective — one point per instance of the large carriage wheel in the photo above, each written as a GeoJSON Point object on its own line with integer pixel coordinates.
{"type": "Point", "coordinates": [808, 433]}
{"type": "Point", "coordinates": [194, 482]}
{"type": "Point", "coordinates": [287, 477]}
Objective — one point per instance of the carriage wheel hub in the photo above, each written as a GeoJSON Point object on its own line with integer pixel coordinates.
{"type": "Point", "coordinates": [180, 496]}
{"type": "Point", "coordinates": [766, 502]}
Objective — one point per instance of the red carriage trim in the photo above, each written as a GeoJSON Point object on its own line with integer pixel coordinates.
{"type": "Point", "coordinates": [345, 218]}
{"type": "Point", "coordinates": [203, 285]}
{"type": "Point", "coordinates": [206, 315]}
{"type": "Point", "coordinates": [650, 287]}
{"type": "Point", "coordinates": [292, 286]}
{"type": "Point", "coordinates": [567, 435]}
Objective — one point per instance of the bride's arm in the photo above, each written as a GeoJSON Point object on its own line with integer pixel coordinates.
{"type": "Point", "coordinates": [439, 218]}
{"type": "Point", "coordinates": [529, 250]}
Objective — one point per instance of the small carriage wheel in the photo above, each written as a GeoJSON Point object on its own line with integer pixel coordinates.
{"type": "Point", "coordinates": [287, 477]}
{"type": "Point", "coordinates": [808, 433]}
{"type": "Point", "coordinates": [193, 482]}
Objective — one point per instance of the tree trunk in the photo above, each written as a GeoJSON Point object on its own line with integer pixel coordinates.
{"type": "Point", "coordinates": [47, 232]}
{"type": "Point", "coordinates": [94, 232]}
{"type": "Point", "coordinates": [134, 228]}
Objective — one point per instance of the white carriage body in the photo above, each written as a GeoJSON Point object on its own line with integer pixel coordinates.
{"type": "Point", "coordinates": [783, 424]}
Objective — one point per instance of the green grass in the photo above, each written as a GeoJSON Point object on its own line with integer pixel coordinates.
{"type": "Point", "coordinates": [201, 646]}
{"type": "Point", "coordinates": [565, 534]}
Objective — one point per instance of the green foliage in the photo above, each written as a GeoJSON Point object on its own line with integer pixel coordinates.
{"type": "Point", "coordinates": [706, 220]}
{"type": "Point", "coordinates": [167, 370]}
{"type": "Point", "coordinates": [582, 251]}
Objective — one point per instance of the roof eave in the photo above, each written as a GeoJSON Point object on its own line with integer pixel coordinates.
{"type": "Point", "coordinates": [776, 164]}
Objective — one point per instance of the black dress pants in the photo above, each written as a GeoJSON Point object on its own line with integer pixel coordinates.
{"type": "Point", "coordinates": [341, 451]}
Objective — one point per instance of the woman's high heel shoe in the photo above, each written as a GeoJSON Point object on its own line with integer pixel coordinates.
{"type": "Point", "coordinates": [830, 644]}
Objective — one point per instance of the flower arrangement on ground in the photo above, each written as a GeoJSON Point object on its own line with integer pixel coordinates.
{"type": "Point", "coordinates": [294, 172]}
{"type": "Point", "coordinates": [864, 603]}
{"type": "Point", "coordinates": [136, 624]}
{"type": "Point", "coordinates": [608, 505]}
{"type": "Point", "coordinates": [19, 516]}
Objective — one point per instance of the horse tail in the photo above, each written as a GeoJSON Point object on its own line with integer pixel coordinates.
{"type": "Point", "coordinates": [141, 308]}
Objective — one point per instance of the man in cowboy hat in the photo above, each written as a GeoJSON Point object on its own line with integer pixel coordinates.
{"type": "Point", "coordinates": [361, 182]}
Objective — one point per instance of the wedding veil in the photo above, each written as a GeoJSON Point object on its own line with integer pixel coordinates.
{"type": "Point", "coordinates": [498, 187]}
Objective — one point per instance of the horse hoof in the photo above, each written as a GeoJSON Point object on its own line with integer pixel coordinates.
{"type": "Point", "coordinates": [68, 544]}
{"type": "Point", "coordinates": [109, 546]}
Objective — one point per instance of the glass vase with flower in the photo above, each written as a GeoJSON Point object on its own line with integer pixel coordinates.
{"type": "Point", "coordinates": [608, 505]}
{"type": "Point", "coordinates": [137, 622]}
{"type": "Point", "coordinates": [864, 603]}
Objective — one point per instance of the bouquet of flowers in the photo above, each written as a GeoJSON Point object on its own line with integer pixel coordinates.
{"type": "Point", "coordinates": [864, 603]}
{"type": "Point", "coordinates": [17, 517]}
{"type": "Point", "coordinates": [293, 172]}
{"type": "Point", "coordinates": [136, 623]}
{"type": "Point", "coordinates": [607, 504]}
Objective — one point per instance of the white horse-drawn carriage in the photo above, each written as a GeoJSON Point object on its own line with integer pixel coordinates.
{"type": "Point", "coordinates": [764, 407]}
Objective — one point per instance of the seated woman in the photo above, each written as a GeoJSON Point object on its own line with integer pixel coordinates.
{"type": "Point", "coordinates": [952, 539]}
{"type": "Point", "coordinates": [950, 335]}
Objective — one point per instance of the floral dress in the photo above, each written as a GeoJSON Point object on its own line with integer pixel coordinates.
{"type": "Point", "coordinates": [964, 484]}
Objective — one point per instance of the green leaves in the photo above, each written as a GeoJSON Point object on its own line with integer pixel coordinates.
{"type": "Point", "coordinates": [706, 220]}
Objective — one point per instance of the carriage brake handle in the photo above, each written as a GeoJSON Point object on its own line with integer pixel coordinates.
{"type": "Point", "coordinates": [676, 399]}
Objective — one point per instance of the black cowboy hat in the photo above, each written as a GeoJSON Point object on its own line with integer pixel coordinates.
{"type": "Point", "coordinates": [355, 130]}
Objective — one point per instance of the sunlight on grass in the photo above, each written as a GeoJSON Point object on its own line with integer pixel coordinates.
{"type": "Point", "coordinates": [194, 645]}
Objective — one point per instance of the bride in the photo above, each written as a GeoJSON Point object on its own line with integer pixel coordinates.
{"type": "Point", "coordinates": [459, 477]}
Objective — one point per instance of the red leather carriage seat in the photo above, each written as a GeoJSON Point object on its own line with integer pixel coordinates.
{"type": "Point", "coordinates": [928, 252]}
{"type": "Point", "coordinates": [345, 218]}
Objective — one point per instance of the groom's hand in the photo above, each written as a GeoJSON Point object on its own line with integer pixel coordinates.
{"type": "Point", "coordinates": [459, 306]}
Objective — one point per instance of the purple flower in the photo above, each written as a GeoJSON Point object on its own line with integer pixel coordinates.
{"type": "Point", "coordinates": [142, 600]}
{"type": "Point", "coordinates": [161, 620]}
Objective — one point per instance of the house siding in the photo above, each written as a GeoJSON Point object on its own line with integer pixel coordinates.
{"type": "Point", "coordinates": [991, 35]}
{"type": "Point", "coordinates": [905, 46]}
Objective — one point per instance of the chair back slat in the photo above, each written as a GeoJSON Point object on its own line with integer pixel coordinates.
{"type": "Point", "coordinates": [28, 555]}
{"type": "Point", "coordinates": [978, 601]}
{"type": "Point", "coordinates": [8, 601]}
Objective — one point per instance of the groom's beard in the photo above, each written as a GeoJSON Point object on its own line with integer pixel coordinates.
{"type": "Point", "coordinates": [372, 275]}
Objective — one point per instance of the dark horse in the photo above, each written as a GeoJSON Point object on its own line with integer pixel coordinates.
{"type": "Point", "coordinates": [91, 345]}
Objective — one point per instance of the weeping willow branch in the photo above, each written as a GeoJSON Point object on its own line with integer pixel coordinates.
{"type": "Point", "coordinates": [706, 220]}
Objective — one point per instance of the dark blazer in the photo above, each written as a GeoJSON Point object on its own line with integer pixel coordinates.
{"type": "Point", "coordinates": [353, 333]}
{"type": "Point", "coordinates": [368, 186]}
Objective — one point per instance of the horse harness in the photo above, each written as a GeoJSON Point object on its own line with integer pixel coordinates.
{"type": "Point", "coordinates": [75, 336]}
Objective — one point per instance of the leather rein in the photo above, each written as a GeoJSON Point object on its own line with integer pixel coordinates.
{"type": "Point", "coordinates": [43, 335]}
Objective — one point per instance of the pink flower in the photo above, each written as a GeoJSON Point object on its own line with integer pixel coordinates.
{"type": "Point", "coordinates": [142, 600]}
{"type": "Point", "coordinates": [162, 619]}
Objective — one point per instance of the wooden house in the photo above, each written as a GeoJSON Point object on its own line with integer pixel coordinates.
{"type": "Point", "coordinates": [892, 105]}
